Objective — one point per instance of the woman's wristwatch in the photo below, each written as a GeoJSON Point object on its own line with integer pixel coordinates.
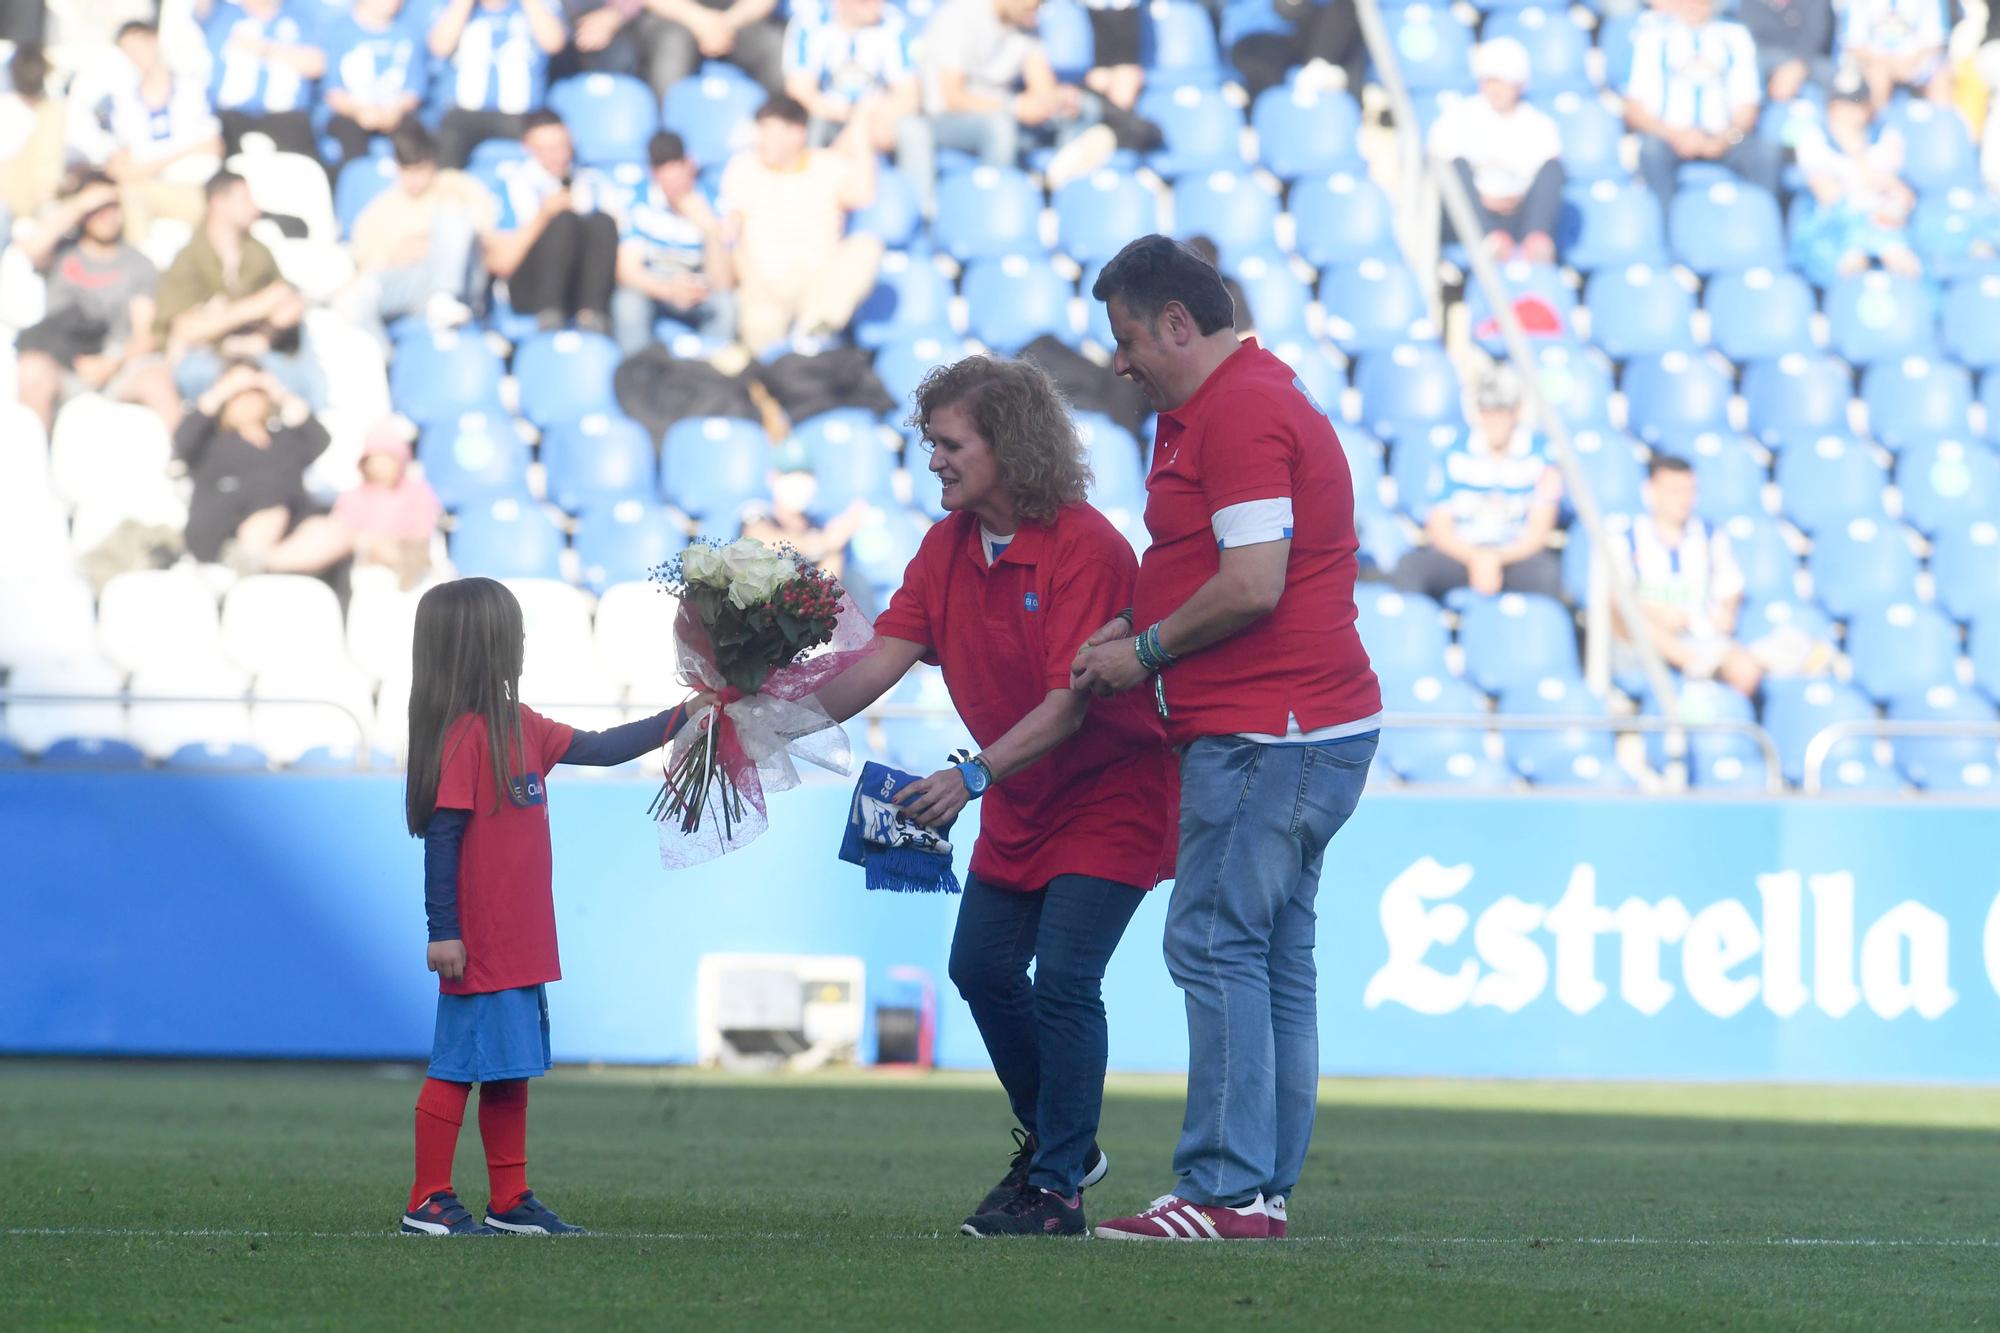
{"type": "Point", "coordinates": [977, 776]}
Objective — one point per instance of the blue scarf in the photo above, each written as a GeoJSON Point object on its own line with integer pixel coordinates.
{"type": "Point", "coordinates": [895, 854]}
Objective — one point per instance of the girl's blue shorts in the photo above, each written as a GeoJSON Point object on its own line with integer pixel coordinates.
{"type": "Point", "coordinates": [492, 1037]}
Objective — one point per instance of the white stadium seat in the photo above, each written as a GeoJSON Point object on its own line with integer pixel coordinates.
{"type": "Point", "coordinates": [104, 447]}
{"type": "Point", "coordinates": [163, 616]}
{"type": "Point", "coordinates": [293, 185]}
{"type": "Point", "coordinates": [286, 731]}
{"type": "Point", "coordinates": [38, 726]}
{"type": "Point", "coordinates": [392, 714]}
{"type": "Point", "coordinates": [381, 621]}
{"type": "Point", "coordinates": [45, 614]}
{"type": "Point", "coordinates": [97, 515]}
{"type": "Point", "coordinates": [24, 447]}
{"type": "Point", "coordinates": [161, 728]}
{"type": "Point", "coordinates": [635, 640]}
{"type": "Point", "coordinates": [274, 621]}
{"type": "Point", "coordinates": [578, 693]}
{"type": "Point", "coordinates": [556, 617]}
{"type": "Point", "coordinates": [357, 381]}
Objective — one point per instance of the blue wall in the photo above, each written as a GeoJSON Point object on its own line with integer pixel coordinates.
{"type": "Point", "coordinates": [158, 913]}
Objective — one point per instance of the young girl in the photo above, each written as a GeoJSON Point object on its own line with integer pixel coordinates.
{"type": "Point", "coordinates": [477, 795]}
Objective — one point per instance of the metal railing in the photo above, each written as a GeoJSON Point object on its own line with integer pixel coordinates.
{"type": "Point", "coordinates": [1820, 747]}
{"type": "Point", "coordinates": [127, 699]}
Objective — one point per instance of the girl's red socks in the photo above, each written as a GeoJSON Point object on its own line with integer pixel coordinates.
{"type": "Point", "coordinates": [440, 1112]}
{"type": "Point", "coordinates": [503, 1130]}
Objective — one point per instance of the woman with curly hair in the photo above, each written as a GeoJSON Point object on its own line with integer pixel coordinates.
{"type": "Point", "coordinates": [1078, 794]}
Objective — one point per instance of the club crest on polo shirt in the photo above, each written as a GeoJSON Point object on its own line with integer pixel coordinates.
{"type": "Point", "coordinates": [1032, 602]}
{"type": "Point", "coordinates": [1307, 394]}
{"type": "Point", "coordinates": [527, 789]}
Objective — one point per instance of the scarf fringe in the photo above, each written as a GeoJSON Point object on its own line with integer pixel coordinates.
{"type": "Point", "coordinates": [902, 870]}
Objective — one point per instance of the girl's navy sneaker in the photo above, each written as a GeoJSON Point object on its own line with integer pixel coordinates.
{"type": "Point", "coordinates": [443, 1215]}
{"type": "Point", "coordinates": [530, 1217]}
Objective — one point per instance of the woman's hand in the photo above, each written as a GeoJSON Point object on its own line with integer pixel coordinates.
{"type": "Point", "coordinates": [446, 958]}
{"type": "Point", "coordinates": [936, 800]}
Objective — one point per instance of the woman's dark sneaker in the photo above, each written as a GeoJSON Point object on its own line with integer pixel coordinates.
{"type": "Point", "coordinates": [1016, 1178]}
{"type": "Point", "coordinates": [1032, 1212]}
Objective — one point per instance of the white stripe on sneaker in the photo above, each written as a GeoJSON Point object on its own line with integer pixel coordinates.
{"type": "Point", "coordinates": [1166, 1222]}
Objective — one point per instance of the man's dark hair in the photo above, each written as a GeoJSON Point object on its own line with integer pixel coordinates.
{"type": "Point", "coordinates": [29, 70]}
{"type": "Point", "coordinates": [788, 109]}
{"type": "Point", "coordinates": [78, 179]}
{"type": "Point", "coordinates": [221, 183]}
{"type": "Point", "coordinates": [413, 144]}
{"type": "Point", "coordinates": [537, 118]}
{"type": "Point", "coordinates": [1154, 270]}
{"type": "Point", "coordinates": [1668, 463]}
{"type": "Point", "coordinates": [136, 25]}
{"type": "Point", "coordinates": [665, 147]}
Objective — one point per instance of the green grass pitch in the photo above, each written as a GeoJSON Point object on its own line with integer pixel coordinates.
{"type": "Point", "coordinates": [247, 1195]}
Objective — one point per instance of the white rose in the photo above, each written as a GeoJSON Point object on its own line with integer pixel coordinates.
{"type": "Point", "coordinates": [743, 555]}
{"type": "Point", "coordinates": [702, 563]}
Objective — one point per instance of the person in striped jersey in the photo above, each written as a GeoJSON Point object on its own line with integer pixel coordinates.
{"type": "Point", "coordinates": [377, 69]}
{"type": "Point", "coordinates": [850, 63]}
{"type": "Point", "coordinates": [1693, 96]}
{"type": "Point", "coordinates": [493, 68]}
{"type": "Point", "coordinates": [265, 65]}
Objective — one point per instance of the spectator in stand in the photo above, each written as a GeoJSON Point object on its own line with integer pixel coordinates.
{"type": "Point", "coordinates": [265, 64]}
{"type": "Point", "coordinates": [377, 68]}
{"type": "Point", "coordinates": [417, 243]}
{"type": "Point", "coordinates": [850, 63]}
{"type": "Point", "coordinates": [1794, 43]}
{"type": "Point", "coordinates": [98, 333]}
{"type": "Point", "coordinates": [1897, 44]}
{"type": "Point", "coordinates": [1490, 529]}
{"type": "Point", "coordinates": [1115, 73]}
{"type": "Point", "coordinates": [787, 519]}
{"type": "Point", "coordinates": [155, 136]}
{"type": "Point", "coordinates": [679, 34]}
{"type": "Point", "coordinates": [222, 298]}
{"type": "Point", "coordinates": [392, 515]}
{"type": "Point", "coordinates": [1861, 208]}
{"type": "Point", "coordinates": [671, 260]}
{"type": "Point", "coordinates": [555, 251]}
{"type": "Point", "coordinates": [1693, 96]}
{"type": "Point", "coordinates": [247, 443]}
{"type": "Point", "coordinates": [34, 132]}
{"type": "Point", "coordinates": [987, 82]}
{"type": "Point", "coordinates": [1690, 588]}
{"type": "Point", "coordinates": [784, 208]}
{"type": "Point", "coordinates": [1324, 45]}
{"type": "Point", "coordinates": [498, 56]}
{"type": "Point", "coordinates": [1508, 154]}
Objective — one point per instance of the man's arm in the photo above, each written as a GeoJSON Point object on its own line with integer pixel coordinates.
{"type": "Point", "coordinates": [448, 27]}
{"type": "Point", "coordinates": [42, 241]}
{"type": "Point", "coordinates": [545, 25]}
{"type": "Point", "coordinates": [504, 250]}
{"type": "Point", "coordinates": [303, 58]}
{"type": "Point", "coordinates": [218, 317]}
{"type": "Point", "coordinates": [1246, 587]}
{"type": "Point", "coordinates": [1534, 537]}
{"type": "Point", "coordinates": [746, 12]}
{"type": "Point", "coordinates": [960, 100]}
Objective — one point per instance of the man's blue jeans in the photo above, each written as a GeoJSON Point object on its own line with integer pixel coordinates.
{"type": "Point", "coordinates": [1047, 1040]}
{"type": "Point", "coordinates": [1255, 822]}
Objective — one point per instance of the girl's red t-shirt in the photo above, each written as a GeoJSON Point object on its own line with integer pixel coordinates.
{"type": "Point", "coordinates": [506, 897]}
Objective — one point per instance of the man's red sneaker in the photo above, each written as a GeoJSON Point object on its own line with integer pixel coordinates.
{"type": "Point", "coordinates": [1171, 1217]}
{"type": "Point", "coordinates": [1274, 1207]}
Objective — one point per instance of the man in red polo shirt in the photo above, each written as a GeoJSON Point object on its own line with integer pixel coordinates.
{"type": "Point", "coordinates": [1246, 645]}
{"type": "Point", "coordinates": [1079, 794]}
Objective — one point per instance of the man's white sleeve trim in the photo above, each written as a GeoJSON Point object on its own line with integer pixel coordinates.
{"type": "Point", "coordinates": [1253, 522]}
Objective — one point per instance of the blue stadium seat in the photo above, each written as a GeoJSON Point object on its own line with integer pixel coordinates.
{"type": "Point", "coordinates": [1373, 304]}
{"type": "Point", "coordinates": [1279, 302]}
{"type": "Point", "coordinates": [473, 458]}
{"type": "Point", "coordinates": [1420, 754]}
{"type": "Point", "coordinates": [335, 758]}
{"type": "Point", "coordinates": [362, 180]}
{"type": "Point", "coordinates": [712, 113]}
{"type": "Point", "coordinates": [1339, 219]}
{"type": "Point", "coordinates": [1246, 18]}
{"type": "Point", "coordinates": [1525, 283]}
{"type": "Point", "coordinates": [1575, 383]}
{"type": "Point", "coordinates": [1856, 770]}
{"type": "Point", "coordinates": [1953, 232]}
{"type": "Point", "coordinates": [1730, 473]}
{"type": "Point", "coordinates": [1965, 565]}
{"type": "Point", "coordinates": [1517, 639]}
{"type": "Point", "coordinates": [1576, 756]}
{"type": "Point", "coordinates": [895, 214]}
{"type": "Point", "coordinates": [902, 362]}
{"type": "Point", "coordinates": [1948, 483]}
{"type": "Point", "coordinates": [1982, 647]}
{"type": "Point", "coordinates": [1971, 321]}
{"type": "Point", "coordinates": [849, 457]}
{"type": "Point", "coordinates": [1797, 398]}
{"type": "Point", "coordinates": [911, 298]}
{"type": "Point", "coordinates": [565, 375]}
{"type": "Point", "coordinates": [1916, 398]}
{"type": "Point", "coordinates": [987, 211]}
{"type": "Point", "coordinates": [1408, 389]}
{"type": "Point", "coordinates": [1875, 316]}
{"type": "Point", "coordinates": [1364, 462]}
{"type": "Point", "coordinates": [1797, 710]}
{"type": "Point", "coordinates": [1639, 311]}
{"type": "Point", "coordinates": [1611, 460]}
{"type": "Point", "coordinates": [1946, 763]}
{"type": "Point", "coordinates": [1770, 566]}
{"type": "Point", "coordinates": [1321, 379]}
{"type": "Point", "coordinates": [1012, 300]}
{"type": "Point", "coordinates": [1178, 45]}
{"type": "Point", "coordinates": [1403, 632]}
{"type": "Point", "coordinates": [218, 756]}
{"type": "Point", "coordinates": [1303, 132]}
{"type": "Point", "coordinates": [1556, 47]}
{"type": "Point", "coordinates": [710, 466]}
{"type": "Point", "coordinates": [1901, 647]}
{"type": "Point", "coordinates": [91, 752]}
{"type": "Point", "coordinates": [1230, 208]}
{"type": "Point", "coordinates": [1759, 313]}
{"type": "Point", "coordinates": [1117, 465]}
{"type": "Point", "coordinates": [1726, 227]}
{"type": "Point", "coordinates": [610, 116]}
{"type": "Point", "coordinates": [435, 375]}
{"type": "Point", "coordinates": [1590, 138]}
{"type": "Point", "coordinates": [1867, 563]}
{"type": "Point", "coordinates": [1416, 465]}
{"type": "Point", "coordinates": [1614, 38]}
{"type": "Point", "coordinates": [880, 552]}
{"type": "Point", "coordinates": [1617, 225]}
{"type": "Point", "coordinates": [1203, 131]}
{"type": "Point", "coordinates": [621, 542]}
{"type": "Point", "coordinates": [1937, 149]}
{"type": "Point", "coordinates": [1064, 28]}
{"type": "Point", "coordinates": [1758, 620]}
{"type": "Point", "coordinates": [1433, 47]}
{"type": "Point", "coordinates": [1097, 215]}
{"type": "Point", "coordinates": [598, 459]}
{"type": "Point", "coordinates": [1824, 484]}
{"type": "Point", "coordinates": [1675, 395]}
{"type": "Point", "coordinates": [507, 538]}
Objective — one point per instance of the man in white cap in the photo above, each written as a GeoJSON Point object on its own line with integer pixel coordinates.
{"type": "Point", "coordinates": [1508, 153]}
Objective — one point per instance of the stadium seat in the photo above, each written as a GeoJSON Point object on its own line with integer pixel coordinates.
{"type": "Point", "coordinates": [1556, 46]}
{"type": "Point", "coordinates": [1013, 300]}
{"type": "Point", "coordinates": [1177, 45]}
{"type": "Point", "coordinates": [1404, 632]}
{"type": "Point", "coordinates": [1759, 313]}
{"type": "Point", "coordinates": [1946, 763]}
{"type": "Point", "coordinates": [1433, 47]}
{"type": "Point", "coordinates": [1675, 395]}
{"type": "Point", "coordinates": [37, 726]}
{"type": "Point", "coordinates": [1797, 398]}
{"type": "Point", "coordinates": [1759, 620]}
{"type": "Point", "coordinates": [1098, 215]}
{"type": "Point", "coordinates": [1862, 565]}
{"type": "Point", "coordinates": [1338, 219]}
{"type": "Point", "coordinates": [901, 363]}
{"type": "Point", "coordinates": [1824, 484]}
{"type": "Point", "coordinates": [1900, 648]}
{"type": "Point", "coordinates": [338, 758]}
{"type": "Point", "coordinates": [1416, 753]}
{"type": "Point", "coordinates": [621, 542]}
{"type": "Point", "coordinates": [152, 616]}
{"type": "Point", "coordinates": [712, 113]}
{"type": "Point", "coordinates": [1304, 132]}
{"type": "Point", "coordinates": [1590, 138]}
{"type": "Point", "coordinates": [555, 617]}
{"type": "Point", "coordinates": [1321, 379]}
{"type": "Point", "coordinates": [507, 538]}
{"type": "Point", "coordinates": [1797, 710]}
{"type": "Point", "coordinates": [1408, 389]}
{"type": "Point", "coordinates": [1953, 232]}
{"type": "Point", "coordinates": [1916, 398]}
{"type": "Point", "coordinates": [1064, 28]}
{"type": "Point", "coordinates": [1612, 463]}
{"type": "Point", "coordinates": [1575, 383]}
{"type": "Point", "coordinates": [381, 622]}
{"type": "Point", "coordinates": [48, 616]}
{"type": "Point", "coordinates": [1576, 756]}
{"type": "Point", "coordinates": [1203, 131]}
{"type": "Point", "coordinates": [1938, 152]}
{"type": "Point", "coordinates": [100, 447]}
{"type": "Point", "coordinates": [361, 181]}
{"type": "Point", "coordinates": [1233, 209]}
{"type": "Point", "coordinates": [1965, 565]}
{"type": "Point", "coordinates": [442, 374]}
{"type": "Point", "coordinates": [881, 551]}
{"type": "Point", "coordinates": [1639, 311]}
{"type": "Point", "coordinates": [1364, 463]}
{"type": "Point", "coordinates": [1416, 467]}
{"type": "Point", "coordinates": [270, 621]}
{"type": "Point", "coordinates": [1540, 285]}
{"type": "Point", "coordinates": [473, 457]}
{"type": "Point", "coordinates": [710, 466]}
{"type": "Point", "coordinates": [1618, 226]}
{"type": "Point", "coordinates": [610, 116]}
{"type": "Point", "coordinates": [911, 298]}
{"type": "Point", "coordinates": [1726, 227]}
{"type": "Point", "coordinates": [1117, 463]}
{"type": "Point", "coordinates": [1970, 321]}
{"type": "Point", "coordinates": [1729, 472]}
{"type": "Point", "coordinates": [597, 460]}
{"type": "Point", "coordinates": [1516, 639]}
{"type": "Point", "coordinates": [895, 214]}
{"type": "Point", "coordinates": [565, 375]}
{"type": "Point", "coordinates": [849, 457]}
{"type": "Point", "coordinates": [291, 185]}
{"type": "Point", "coordinates": [160, 728]}
{"type": "Point", "coordinates": [1946, 484]}
{"type": "Point", "coordinates": [1877, 316]}
{"type": "Point", "coordinates": [1770, 566]}
{"type": "Point", "coordinates": [987, 212]}
{"type": "Point", "coordinates": [333, 708]}
{"type": "Point", "coordinates": [634, 634]}
{"type": "Point", "coordinates": [91, 752]}
{"type": "Point", "coordinates": [212, 756]}
{"type": "Point", "coordinates": [1372, 305]}
{"type": "Point", "coordinates": [1280, 304]}
{"type": "Point", "coordinates": [1982, 649]}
